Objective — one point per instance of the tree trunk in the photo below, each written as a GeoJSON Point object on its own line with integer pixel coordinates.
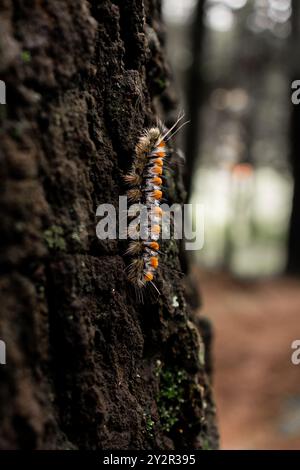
{"type": "Point", "coordinates": [195, 94]}
{"type": "Point", "coordinates": [87, 366]}
{"type": "Point", "coordinates": [293, 263]}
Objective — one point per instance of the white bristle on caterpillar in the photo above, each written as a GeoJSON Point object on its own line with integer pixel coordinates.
{"type": "Point", "coordinates": [145, 181]}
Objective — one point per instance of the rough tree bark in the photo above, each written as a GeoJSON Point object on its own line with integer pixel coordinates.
{"type": "Point", "coordinates": [87, 367]}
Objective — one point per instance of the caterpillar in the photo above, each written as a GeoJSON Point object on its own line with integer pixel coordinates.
{"type": "Point", "coordinates": [145, 180]}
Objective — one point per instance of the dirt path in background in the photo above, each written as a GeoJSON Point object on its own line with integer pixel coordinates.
{"type": "Point", "coordinates": [257, 387]}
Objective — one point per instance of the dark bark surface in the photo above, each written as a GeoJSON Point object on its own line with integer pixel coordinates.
{"type": "Point", "coordinates": [87, 367]}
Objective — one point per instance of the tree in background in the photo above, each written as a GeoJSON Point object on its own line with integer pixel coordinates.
{"type": "Point", "coordinates": [194, 92]}
{"type": "Point", "coordinates": [87, 367]}
{"type": "Point", "coordinates": [293, 265]}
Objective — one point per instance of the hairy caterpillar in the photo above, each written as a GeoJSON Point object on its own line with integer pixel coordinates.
{"type": "Point", "coordinates": [145, 180]}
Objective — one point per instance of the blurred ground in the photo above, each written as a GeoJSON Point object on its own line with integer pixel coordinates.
{"type": "Point", "coordinates": [257, 387]}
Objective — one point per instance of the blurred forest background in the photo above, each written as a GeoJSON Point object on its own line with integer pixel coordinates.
{"type": "Point", "coordinates": [234, 62]}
